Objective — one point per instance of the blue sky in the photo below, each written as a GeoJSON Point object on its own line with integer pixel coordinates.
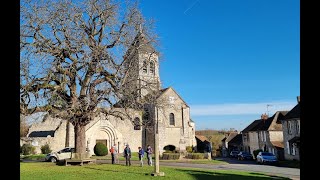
{"type": "Point", "coordinates": [228, 59]}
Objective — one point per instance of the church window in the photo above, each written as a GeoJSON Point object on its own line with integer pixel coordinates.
{"type": "Point", "coordinates": [171, 117]}
{"type": "Point", "coordinates": [137, 125]}
{"type": "Point", "coordinates": [152, 68]}
{"type": "Point", "coordinates": [144, 67]}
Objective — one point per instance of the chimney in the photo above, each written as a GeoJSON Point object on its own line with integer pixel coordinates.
{"type": "Point", "coordinates": [298, 99]}
{"type": "Point", "coordinates": [264, 116]}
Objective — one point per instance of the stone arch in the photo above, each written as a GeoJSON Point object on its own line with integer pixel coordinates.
{"type": "Point", "coordinates": [169, 147]}
{"type": "Point", "coordinates": [113, 137]}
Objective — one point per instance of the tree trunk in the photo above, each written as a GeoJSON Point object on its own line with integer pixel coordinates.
{"type": "Point", "coordinates": [80, 140]}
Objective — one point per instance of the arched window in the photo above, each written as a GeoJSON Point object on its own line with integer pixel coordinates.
{"type": "Point", "coordinates": [144, 67]}
{"type": "Point", "coordinates": [171, 117]}
{"type": "Point", "coordinates": [136, 123]}
{"type": "Point", "coordinates": [152, 68]}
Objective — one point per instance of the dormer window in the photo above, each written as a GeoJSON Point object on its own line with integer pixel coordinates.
{"type": "Point", "coordinates": [144, 67]}
{"type": "Point", "coordinates": [152, 69]}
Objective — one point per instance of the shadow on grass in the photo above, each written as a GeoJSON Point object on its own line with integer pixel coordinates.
{"type": "Point", "coordinates": [217, 175]}
{"type": "Point", "coordinates": [117, 171]}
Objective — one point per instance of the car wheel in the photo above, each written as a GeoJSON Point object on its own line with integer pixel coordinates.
{"type": "Point", "coordinates": [53, 159]}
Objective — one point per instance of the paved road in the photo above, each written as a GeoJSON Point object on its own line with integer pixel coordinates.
{"type": "Point", "coordinates": [234, 164]}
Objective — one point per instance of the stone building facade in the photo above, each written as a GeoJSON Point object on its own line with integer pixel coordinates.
{"type": "Point", "coordinates": [291, 133]}
{"type": "Point", "coordinates": [174, 123]}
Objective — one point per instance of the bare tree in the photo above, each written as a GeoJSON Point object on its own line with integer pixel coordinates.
{"type": "Point", "coordinates": [76, 59]}
{"type": "Point", "coordinates": [24, 128]}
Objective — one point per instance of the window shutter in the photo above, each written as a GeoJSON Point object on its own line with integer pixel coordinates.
{"type": "Point", "coordinates": [288, 147]}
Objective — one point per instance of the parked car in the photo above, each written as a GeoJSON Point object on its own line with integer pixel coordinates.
{"type": "Point", "coordinates": [60, 155]}
{"type": "Point", "coordinates": [234, 154]}
{"type": "Point", "coordinates": [266, 157]}
{"type": "Point", "coordinates": [245, 156]}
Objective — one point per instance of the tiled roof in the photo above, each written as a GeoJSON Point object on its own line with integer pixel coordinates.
{"type": "Point", "coordinates": [201, 138]}
{"type": "Point", "coordinates": [41, 134]}
{"type": "Point", "coordinates": [278, 144]}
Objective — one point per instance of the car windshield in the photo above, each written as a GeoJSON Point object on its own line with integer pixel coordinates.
{"type": "Point", "coordinates": [266, 154]}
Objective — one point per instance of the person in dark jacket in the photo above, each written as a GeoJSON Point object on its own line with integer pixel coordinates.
{"type": "Point", "coordinates": [127, 155]}
{"type": "Point", "coordinates": [141, 155]}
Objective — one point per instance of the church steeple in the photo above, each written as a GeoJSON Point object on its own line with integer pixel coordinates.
{"type": "Point", "coordinates": [144, 70]}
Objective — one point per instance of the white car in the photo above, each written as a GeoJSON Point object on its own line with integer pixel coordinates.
{"type": "Point", "coordinates": [60, 155]}
{"type": "Point", "coordinates": [266, 157]}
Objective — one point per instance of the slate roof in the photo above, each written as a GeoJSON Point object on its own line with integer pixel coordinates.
{"type": "Point", "coordinates": [251, 126]}
{"type": "Point", "coordinates": [236, 140]}
{"type": "Point", "coordinates": [265, 125]}
{"type": "Point", "coordinates": [294, 113]}
{"type": "Point", "coordinates": [41, 133]}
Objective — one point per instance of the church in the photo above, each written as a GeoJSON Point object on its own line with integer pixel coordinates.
{"type": "Point", "coordinates": [175, 127]}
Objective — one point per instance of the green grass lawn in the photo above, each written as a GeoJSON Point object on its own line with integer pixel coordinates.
{"type": "Point", "coordinates": [34, 157]}
{"type": "Point", "coordinates": [44, 170]}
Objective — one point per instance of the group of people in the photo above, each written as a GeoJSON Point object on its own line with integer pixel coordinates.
{"type": "Point", "coordinates": [127, 154]}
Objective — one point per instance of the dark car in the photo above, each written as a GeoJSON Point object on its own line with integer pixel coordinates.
{"type": "Point", "coordinates": [245, 156]}
{"type": "Point", "coordinates": [234, 154]}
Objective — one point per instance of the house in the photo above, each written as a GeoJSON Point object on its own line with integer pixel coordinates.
{"type": "Point", "coordinates": [202, 143]}
{"type": "Point", "coordinates": [291, 132]}
{"type": "Point", "coordinates": [236, 143]}
{"type": "Point", "coordinates": [250, 137]}
{"type": "Point", "coordinates": [270, 135]}
{"type": "Point", "coordinates": [265, 134]}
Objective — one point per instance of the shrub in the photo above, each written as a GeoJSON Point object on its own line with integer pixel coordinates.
{"type": "Point", "coordinates": [195, 156]}
{"type": "Point", "coordinates": [100, 149]}
{"type": "Point", "coordinates": [189, 149]}
{"type": "Point", "coordinates": [256, 152]}
{"type": "Point", "coordinates": [45, 149]}
{"type": "Point", "coordinates": [27, 149]}
{"type": "Point", "coordinates": [170, 156]}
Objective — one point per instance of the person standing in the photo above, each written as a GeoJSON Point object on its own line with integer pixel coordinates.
{"type": "Point", "coordinates": [149, 155]}
{"type": "Point", "coordinates": [141, 155]}
{"type": "Point", "coordinates": [116, 159]}
{"type": "Point", "coordinates": [127, 154]}
{"type": "Point", "coordinates": [112, 154]}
